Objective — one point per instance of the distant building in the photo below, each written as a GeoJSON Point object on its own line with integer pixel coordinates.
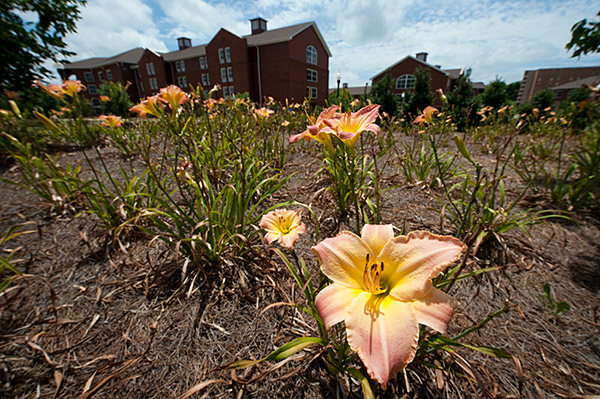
{"type": "Point", "coordinates": [354, 92]}
{"type": "Point", "coordinates": [560, 80]}
{"type": "Point", "coordinates": [286, 63]}
{"type": "Point", "coordinates": [403, 73]}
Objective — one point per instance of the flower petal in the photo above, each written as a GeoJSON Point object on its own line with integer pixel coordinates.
{"type": "Point", "coordinates": [289, 240]}
{"type": "Point", "coordinates": [333, 303]}
{"type": "Point", "coordinates": [384, 332]}
{"type": "Point", "coordinates": [435, 310]}
{"type": "Point", "coordinates": [412, 260]}
{"type": "Point", "coordinates": [343, 258]}
{"type": "Point", "coordinates": [270, 237]}
{"type": "Point", "coordinates": [377, 235]}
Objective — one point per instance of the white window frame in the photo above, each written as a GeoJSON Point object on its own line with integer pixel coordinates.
{"type": "Point", "coordinates": [311, 54]}
{"type": "Point", "coordinates": [109, 74]}
{"type": "Point", "coordinates": [203, 62]}
{"type": "Point", "coordinates": [230, 74]}
{"type": "Point", "coordinates": [204, 80]}
{"type": "Point", "coordinates": [221, 56]}
{"type": "Point", "coordinates": [406, 81]}
{"type": "Point", "coordinates": [182, 82]}
{"type": "Point", "coordinates": [225, 92]}
{"type": "Point", "coordinates": [231, 91]}
{"type": "Point", "coordinates": [223, 74]}
{"type": "Point", "coordinates": [92, 89]}
{"type": "Point", "coordinates": [180, 66]}
{"type": "Point", "coordinates": [100, 76]}
{"type": "Point", "coordinates": [227, 54]}
{"type": "Point", "coordinates": [153, 83]}
{"type": "Point", "coordinates": [312, 92]}
{"type": "Point", "coordinates": [312, 75]}
{"type": "Point", "coordinates": [150, 69]}
{"type": "Point", "coordinates": [88, 76]}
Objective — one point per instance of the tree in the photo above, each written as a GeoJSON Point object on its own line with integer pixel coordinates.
{"type": "Point", "coordinates": [543, 99]}
{"type": "Point", "coordinates": [495, 94]}
{"type": "Point", "coordinates": [512, 91]}
{"type": "Point", "coordinates": [422, 96]}
{"type": "Point", "coordinates": [585, 38]}
{"type": "Point", "coordinates": [462, 106]}
{"type": "Point", "coordinates": [25, 46]}
{"type": "Point", "coordinates": [118, 102]}
{"type": "Point", "coordinates": [381, 93]}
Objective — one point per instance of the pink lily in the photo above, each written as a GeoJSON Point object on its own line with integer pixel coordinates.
{"type": "Point", "coordinates": [350, 125]}
{"type": "Point", "coordinates": [382, 289]}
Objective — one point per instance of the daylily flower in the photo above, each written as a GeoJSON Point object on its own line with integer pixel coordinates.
{"type": "Point", "coordinates": [72, 87]}
{"type": "Point", "coordinates": [264, 112]}
{"type": "Point", "coordinates": [350, 125]}
{"type": "Point", "coordinates": [173, 96]}
{"type": "Point", "coordinates": [285, 123]}
{"type": "Point", "coordinates": [111, 121]}
{"type": "Point", "coordinates": [426, 116]}
{"type": "Point", "coordinates": [315, 131]}
{"type": "Point", "coordinates": [151, 106]}
{"type": "Point", "coordinates": [283, 226]}
{"type": "Point", "coordinates": [382, 289]}
{"type": "Point", "coordinates": [104, 98]}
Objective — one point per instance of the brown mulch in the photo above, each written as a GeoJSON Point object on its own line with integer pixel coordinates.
{"type": "Point", "coordinates": [91, 319]}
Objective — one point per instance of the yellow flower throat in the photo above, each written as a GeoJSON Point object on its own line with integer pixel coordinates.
{"type": "Point", "coordinates": [372, 278]}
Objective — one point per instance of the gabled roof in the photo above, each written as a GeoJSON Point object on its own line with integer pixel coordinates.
{"type": "Point", "coordinates": [283, 35]}
{"type": "Point", "coordinates": [353, 91]}
{"type": "Point", "coordinates": [415, 59]}
{"type": "Point", "coordinates": [128, 57]}
{"type": "Point", "coordinates": [590, 81]}
{"type": "Point", "coordinates": [190, 52]}
{"type": "Point", "coordinates": [453, 73]}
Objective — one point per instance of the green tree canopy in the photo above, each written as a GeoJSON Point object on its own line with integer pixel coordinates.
{"type": "Point", "coordinates": [381, 93]}
{"type": "Point", "coordinates": [25, 46]}
{"type": "Point", "coordinates": [422, 97]}
{"type": "Point", "coordinates": [585, 37]}
{"type": "Point", "coordinates": [495, 94]}
{"type": "Point", "coordinates": [462, 106]}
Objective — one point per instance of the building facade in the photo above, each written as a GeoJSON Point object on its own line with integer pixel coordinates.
{"type": "Point", "coordinates": [403, 73]}
{"type": "Point", "coordinates": [286, 63]}
{"type": "Point", "coordinates": [563, 79]}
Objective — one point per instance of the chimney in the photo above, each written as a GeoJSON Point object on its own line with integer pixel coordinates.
{"type": "Point", "coordinates": [184, 42]}
{"type": "Point", "coordinates": [422, 56]}
{"type": "Point", "coordinates": [258, 25]}
{"type": "Point", "coordinates": [345, 85]}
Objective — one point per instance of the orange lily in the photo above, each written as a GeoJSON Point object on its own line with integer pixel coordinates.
{"type": "Point", "coordinates": [426, 116]}
{"type": "Point", "coordinates": [173, 96]}
{"type": "Point", "coordinates": [350, 125]}
{"type": "Point", "coordinates": [382, 289]}
{"type": "Point", "coordinates": [151, 106]}
{"type": "Point", "coordinates": [315, 131]}
{"type": "Point", "coordinates": [111, 121]}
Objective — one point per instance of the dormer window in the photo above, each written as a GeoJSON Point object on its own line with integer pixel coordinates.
{"type": "Point", "coordinates": [311, 55]}
{"type": "Point", "coordinates": [406, 82]}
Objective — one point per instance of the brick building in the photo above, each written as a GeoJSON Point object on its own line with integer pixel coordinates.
{"type": "Point", "coordinates": [286, 63]}
{"type": "Point", "coordinates": [551, 78]}
{"type": "Point", "coordinates": [403, 74]}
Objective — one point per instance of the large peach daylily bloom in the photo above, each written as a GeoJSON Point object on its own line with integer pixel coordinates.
{"type": "Point", "coordinates": [151, 106]}
{"type": "Point", "coordinates": [283, 226]}
{"type": "Point", "coordinates": [426, 116]}
{"type": "Point", "coordinates": [382, 289]}
{"type": "Point", "coordinates": [263, 112]}
{"type": "Point", "coordinates": [350, 125]}
{"type": "Point", "coordinates": [316, 130]}
{"type": "Point", "coordinates": [173, 96]}
{"type": "Point", "coordinates": [111, 121]}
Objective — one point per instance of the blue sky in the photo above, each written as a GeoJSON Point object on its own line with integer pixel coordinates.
{"type": "Point", "coordinates": [494, 38]}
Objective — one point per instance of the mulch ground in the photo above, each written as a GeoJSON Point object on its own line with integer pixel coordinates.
{"type": "Point", "coordinates": [91, 319]}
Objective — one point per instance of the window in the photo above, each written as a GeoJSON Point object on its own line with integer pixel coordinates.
{"type": "Point", "coordinates": [558, 93]}
{"type": "Point", "coordinates": [221, 56]}
{"type": "Point", "coordinates": [109, 74]}
{"type": "Point", "coordinates": [203, 62]}
{"type": "Point", "coordinates": [92, 89]}
{"type": "Point", "coordinates": [311, 75]}
{"type": "Point", "coordinates": [182, 80]}
{"type": "Point", "coordinates": [180, 66]}
{"type": "Point", "coordinates": [231, 91]}
{"type": "Point", "coordinates": [142, 86]}
{"type": "Point", "coordinates": [223, 75]}
{"type": "Point", "coordinates": [255, 25]}
{"type": "Point", "coordinates": [205, 79]}
{"type": "Point", "coordinates": [406, 82]}
{"type": "Point", "coordinates": [230, 74]}
{"type": "Point", "coordinates": [227, 54]}
{"type": "Point", "coordinates": [311, 55]}
{"type": "Point", "coordinates": [89, 77]}
{"type": "Point", "coordinates": [153, 83]}
{"type": "Point", "coordinates": [150, 68]}
{"type": "Point", "coordinates": [96, 105]}
{"type": "Point", "coordinates": [100, 77]}
{"type": "Point", "coordinates": [225, 92]}
{"type": "Point", "coordinates": [312, 93]}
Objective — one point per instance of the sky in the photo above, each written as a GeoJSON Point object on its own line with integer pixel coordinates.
{"type": "Point", "coordinates": [497, 39]}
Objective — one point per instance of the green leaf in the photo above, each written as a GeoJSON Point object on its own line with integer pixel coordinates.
{"type": "Point", "coordinates": [562, 307]}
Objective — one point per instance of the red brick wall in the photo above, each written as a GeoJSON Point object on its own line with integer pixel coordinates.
{"type": "Point", "coordinates": [534, 81]}
{"type": "Point", "coordinates": [239, 61]}
{"type": "Point", "coordinates": [160, 69]}
{"type": "Point", "coordinates": [275, 73]}
{"type": "Point", "coordinates": [298, 65]}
